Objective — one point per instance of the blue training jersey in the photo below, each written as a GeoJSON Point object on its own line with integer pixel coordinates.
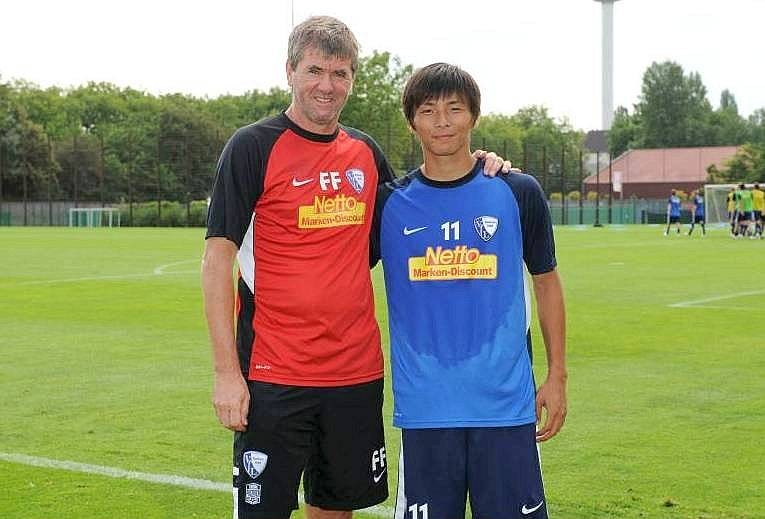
{"type": "Point", "coordinates": [458, 303]}
{"type": "Point", "coordinates": [698, 202]}
{"type": "Point", "coordinates": [674, 205]}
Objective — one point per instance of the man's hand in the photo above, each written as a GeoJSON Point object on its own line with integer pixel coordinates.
{"type": "Point", "coordinates": [493, 163]}
{"type": "Point", "coordinates": [552, 397]}
{"type": "Point", "coordinates": [231, 400]}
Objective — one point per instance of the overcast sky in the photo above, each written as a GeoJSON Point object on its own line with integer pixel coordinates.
{"type": "Point", "coordinates": [521, 52]}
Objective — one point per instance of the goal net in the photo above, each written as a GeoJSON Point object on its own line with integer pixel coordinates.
{"type": "Point", "coordinates": [94, 217]}
{"type": "Point", "coordinates": [716, 201]}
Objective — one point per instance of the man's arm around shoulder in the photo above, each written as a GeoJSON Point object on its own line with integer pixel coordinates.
{"type": "Point", "coordinates": [231, 397]}
{"type": "Point", "coordinates": [552, 320]}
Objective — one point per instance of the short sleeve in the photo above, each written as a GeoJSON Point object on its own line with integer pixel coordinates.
{"type": "Point", "coordinates": [536, 223]}
{"type": "Point", "coordinates": [238, 185]}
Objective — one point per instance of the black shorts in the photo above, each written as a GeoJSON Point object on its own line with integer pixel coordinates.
{"type": "Point", "coordinates": [698, 219]}
{"type": "Point", "coordinates": [674, 219]}
{"type": "Point", "coordinates": [332, 435]}
{"type": "Point", "coordinates": [758, 216]}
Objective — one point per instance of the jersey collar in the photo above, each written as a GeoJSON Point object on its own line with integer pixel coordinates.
{"type": "Point", "coordinates": [316, 137]}
{"type": "Point", "coordinates": [467, 177]}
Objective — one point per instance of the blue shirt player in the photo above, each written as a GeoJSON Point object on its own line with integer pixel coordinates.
{"type": "Point", "coordinates": [455, 246]}
{"type": "Point", "coordinates": [673, 212]}
{"type": "Point", "coordinates": [698, 213]}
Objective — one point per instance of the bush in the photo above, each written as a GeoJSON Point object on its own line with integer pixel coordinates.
{"type": "Point", "coordinates": [174, 214]}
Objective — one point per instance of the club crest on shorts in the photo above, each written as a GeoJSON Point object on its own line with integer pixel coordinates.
{"type": "Point", "coordinates": [356, 179]}
{"type": "Point", "coordinates": [254, 463]}
{"type": "Point", "coordinates": [485, 226]}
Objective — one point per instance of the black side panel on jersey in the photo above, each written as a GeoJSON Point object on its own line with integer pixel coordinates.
{"type": "Point", "coordinates": [383, 193]}
{"type": "Point", "coordinates": [245, 334]}
{"type": "Point", "coordinates": [240, 178]}
{"type": "Point", "coordinates": [536, 224]}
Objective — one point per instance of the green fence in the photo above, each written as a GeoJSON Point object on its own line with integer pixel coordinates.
{"type": "Point", "coordinates": [634, 210]}
{"type": "Point", "coordinates": [149, 214]}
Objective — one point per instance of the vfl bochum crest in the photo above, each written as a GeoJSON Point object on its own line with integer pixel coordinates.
{"type": "Point", "coordinates": [356, 179]}
{"type": "Point", "coordinates": [254, 463]}
{"type": "Point", "coordinates": [485, 226]}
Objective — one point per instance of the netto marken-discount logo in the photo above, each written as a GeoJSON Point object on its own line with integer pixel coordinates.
{"type": "Point", "coordinates": [331, 211]}
{"type": "Point", "coordinates": [461, 262]}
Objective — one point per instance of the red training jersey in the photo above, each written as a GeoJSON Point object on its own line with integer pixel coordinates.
{"type": "Point", "coordinates": [299, 206]}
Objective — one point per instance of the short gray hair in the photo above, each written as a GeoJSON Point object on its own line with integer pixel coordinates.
{"type": "Point", "coordinates": [329, 35]}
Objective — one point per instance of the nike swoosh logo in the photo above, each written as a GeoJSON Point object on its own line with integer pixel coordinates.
{"type": "Point", "coordinates": [379, 477]}
{"type": "Point", "coordinates": [527, 511]}
{"type": "Point", "coordinates": [407, 231]}
{"type": "Point", "coordinates": [298, 183]}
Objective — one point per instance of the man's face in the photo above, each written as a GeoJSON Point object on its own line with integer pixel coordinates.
{"type": "Point", "coordinates": [320, 87]}
{"type": "Point", "coordinates": [444, 125]}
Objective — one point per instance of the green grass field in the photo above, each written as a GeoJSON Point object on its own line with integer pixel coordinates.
{"type": "Point", "coordinates": [104, 361]}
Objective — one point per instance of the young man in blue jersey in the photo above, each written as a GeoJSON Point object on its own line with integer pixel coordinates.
{"type": "Point", "coordinates": [673, 212]}
{"type": "Point", "coordinates": [697, 214]}
{"type": "Point", "coordinates": [455, 246]}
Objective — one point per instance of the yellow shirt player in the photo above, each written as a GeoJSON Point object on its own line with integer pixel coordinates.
{"type": "Point", "coordinates": [732, 210]}
{"type": "Point", "coordinates": [758, 204]}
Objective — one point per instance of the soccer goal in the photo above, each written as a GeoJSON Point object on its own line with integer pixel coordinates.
{"type": "Point", "coordinates": [716, 201]}
{"type": "Point", "coordinates": [94, 217]}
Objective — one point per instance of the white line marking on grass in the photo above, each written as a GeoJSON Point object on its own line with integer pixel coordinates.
{"type": "Point", "coordinates": [163, 479]}
{"type": "Point", "coordinates": [161, 269]}
{"type": "Point", "coordinates": [89, 278]}
{"type": "Point", "coordinates": [158, 271]}
{"type": "Point", "coordinates": [113, 472]}
{"type": "Point", "coordinates": [700, 302]}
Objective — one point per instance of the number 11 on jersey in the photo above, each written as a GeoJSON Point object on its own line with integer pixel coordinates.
{"type": "Point", "coordinates": [454, 227]}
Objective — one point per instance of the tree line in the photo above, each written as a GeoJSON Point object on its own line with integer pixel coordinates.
{"type": "Point", "coordinates": [101, 142]}
{"type": "Point", "coordinates": [673, 111]}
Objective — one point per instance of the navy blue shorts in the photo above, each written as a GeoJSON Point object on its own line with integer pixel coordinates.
{"type": "Point", "coordinates": [674, 219]}
{"type": "Point", "coordinates": [498, 467]}
{"type": "Point", "coordinates": [698, 218]}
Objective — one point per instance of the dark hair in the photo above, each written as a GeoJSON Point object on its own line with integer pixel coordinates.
{"type": "Point", "coordinates": [329, 35]}
{"type": "Point", "coordinates": [437, 81]}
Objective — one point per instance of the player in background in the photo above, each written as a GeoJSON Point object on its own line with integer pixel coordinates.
{"type": "Point", "coordinates": [731, 204]}
{"type": "Point", "coordinates": [697, 213]}
{"type": "Point", "coordinates": [758, 202]}
{"type": "Point", "coordinates": [745, 209]}
{"type": "Point", "coordinates": [673, 212]}
{"type": "Point", "coordinates": [455, 245]}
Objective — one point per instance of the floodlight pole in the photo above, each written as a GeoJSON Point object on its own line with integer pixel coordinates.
{"type": "Point", "coordinates": [610, 187]}
{"type": "Point", "coordinates": [597, 191]}
{"type": "Point", "coordinates": [607, 49]}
